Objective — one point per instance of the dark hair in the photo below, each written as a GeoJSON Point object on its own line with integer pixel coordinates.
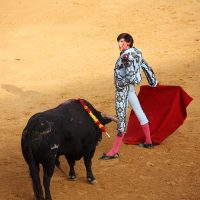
{"type": "Point", "coordinates": [127, 37]}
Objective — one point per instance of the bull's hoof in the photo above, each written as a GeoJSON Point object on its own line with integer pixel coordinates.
{"type": "Point", "coordinates": [72, 177]}
{"type": "Point", "coordinates": [91, 180]}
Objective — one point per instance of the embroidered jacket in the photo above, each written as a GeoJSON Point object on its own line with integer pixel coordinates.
{"type": "Point", "coordinates": [128, 69]}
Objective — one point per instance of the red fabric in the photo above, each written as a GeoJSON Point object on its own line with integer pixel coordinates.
{"type": "Point", "coordinates": [103, 129]}
{"type": "Point", "coordinates": [165, 107]}
{"type": "Point", "coordinates": [98, 123]}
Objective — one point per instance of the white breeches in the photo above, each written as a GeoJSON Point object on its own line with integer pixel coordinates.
{"type": "Point", "coordinates": [122, 98]}
{"type": "Point", "coordinates": [135, 105]}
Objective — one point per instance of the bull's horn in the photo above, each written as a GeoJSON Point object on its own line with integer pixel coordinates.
{"type": "Point", "coordinates": [113, 118]}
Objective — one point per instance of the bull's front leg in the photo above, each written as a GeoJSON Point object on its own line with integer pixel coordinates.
{"type": "Point", "coordinates": [88, 165]}
{"type": "Point", "coordinates": [57, 161]}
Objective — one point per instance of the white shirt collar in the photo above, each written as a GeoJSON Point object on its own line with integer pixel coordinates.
{"type": "Point", "coordinates": [127, 51]}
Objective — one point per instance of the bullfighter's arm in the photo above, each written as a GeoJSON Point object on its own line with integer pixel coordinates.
{"type": "Point", "coordinates": [149, 73]}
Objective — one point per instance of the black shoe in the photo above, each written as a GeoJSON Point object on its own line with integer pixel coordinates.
{"type": "Point", "coordinates": [105, 157]}
{"type": "Point", "coordinates": [144, 145]}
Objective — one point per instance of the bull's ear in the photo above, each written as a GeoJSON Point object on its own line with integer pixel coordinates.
{"type": "Point", "coordinates": [107, 116]}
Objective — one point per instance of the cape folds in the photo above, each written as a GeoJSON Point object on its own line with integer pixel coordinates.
{"type": "Point", "coordinates": [165, 107]}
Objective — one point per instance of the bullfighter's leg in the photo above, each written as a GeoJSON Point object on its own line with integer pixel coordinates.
{"type": "Point", "coordinates": [88, 164]}
{"type": "Point", "coordinates": [71, 162]}
{"type": "Point", "coordinates": [48, 173]}
{"type": "Point", "coordinates": [121, 104]}
{"type": "Point", "coordinates": [135, 104]}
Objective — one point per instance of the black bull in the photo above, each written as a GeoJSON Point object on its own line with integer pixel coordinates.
{"type": "Point", "coordinates": [65, 130]}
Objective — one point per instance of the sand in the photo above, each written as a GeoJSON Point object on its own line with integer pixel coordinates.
{"type": "Point", "coordinates": [51, 51]}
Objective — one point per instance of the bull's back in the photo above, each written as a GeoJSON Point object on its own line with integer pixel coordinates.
{"type": "Point", "coordinates": [68, 128]}
{"type": "Point", "coordinates": [38, 137]}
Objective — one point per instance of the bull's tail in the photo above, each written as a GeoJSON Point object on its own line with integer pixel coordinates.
{"type": "Point", "coordinates": [34, 173]}
{"type": "Point", "coordinates": [26, 144]}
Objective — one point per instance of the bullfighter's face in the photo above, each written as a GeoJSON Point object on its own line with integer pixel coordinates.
{"type": "Point", "coordinates": [123, 45]}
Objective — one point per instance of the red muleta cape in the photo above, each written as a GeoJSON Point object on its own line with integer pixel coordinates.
{"type": "Point", "coordinates": [164, 106]}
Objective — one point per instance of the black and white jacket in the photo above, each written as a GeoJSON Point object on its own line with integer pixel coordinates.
{"type": "Point", "coordinates": [128, 69]}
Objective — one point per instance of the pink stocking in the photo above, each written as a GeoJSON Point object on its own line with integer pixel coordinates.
{"type": "Point", "coordinates": [116, 145]}
{"type": "Point", "coordinates": [146, 131]}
